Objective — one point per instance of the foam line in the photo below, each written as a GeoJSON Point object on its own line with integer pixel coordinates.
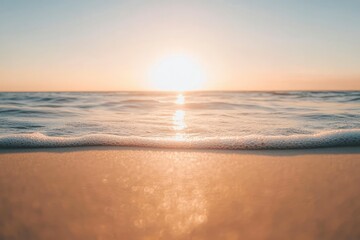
{"type": "Point", "coordinates": [339, 138]}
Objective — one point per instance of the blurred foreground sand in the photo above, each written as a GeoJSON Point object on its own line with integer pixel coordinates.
{"type": "Point", "coordinates": [117, 193]}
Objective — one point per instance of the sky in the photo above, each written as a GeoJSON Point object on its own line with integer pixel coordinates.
{"type": "Point", "coordinates": [89, 45]}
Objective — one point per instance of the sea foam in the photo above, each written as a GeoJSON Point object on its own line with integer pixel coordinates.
{"type": "Point", "coordinates": [338, 138]}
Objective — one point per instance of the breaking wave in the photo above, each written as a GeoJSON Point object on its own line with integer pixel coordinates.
{"type": "Point", "coordinates": [338, 138]}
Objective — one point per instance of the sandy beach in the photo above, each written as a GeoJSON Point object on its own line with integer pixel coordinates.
{"type": "Point", "coordinates": [120, 193]}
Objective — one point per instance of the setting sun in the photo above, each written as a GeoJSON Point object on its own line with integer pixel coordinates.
{"type": "Point", "coordinates": [177, 73]}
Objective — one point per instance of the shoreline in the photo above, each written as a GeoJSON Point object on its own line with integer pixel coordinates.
{"type": "Point", "coordinates": [279, 152]}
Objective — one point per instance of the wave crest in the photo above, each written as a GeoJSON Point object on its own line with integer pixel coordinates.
{"type": "Point", "coordinates": [339, 138]}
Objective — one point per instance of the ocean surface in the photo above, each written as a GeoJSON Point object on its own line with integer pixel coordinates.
{"type": "Point", "coordinates": [199, 120]}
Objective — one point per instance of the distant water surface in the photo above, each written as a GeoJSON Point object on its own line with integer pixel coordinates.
{"type": "Point", "coordinates": [128, 118]}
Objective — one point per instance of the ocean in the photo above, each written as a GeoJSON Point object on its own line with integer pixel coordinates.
{"type": "Point", "coordinates": [190, 120]}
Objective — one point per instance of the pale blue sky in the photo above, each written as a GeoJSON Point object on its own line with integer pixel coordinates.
{"type": "Point", "coordinates": [242, 45]}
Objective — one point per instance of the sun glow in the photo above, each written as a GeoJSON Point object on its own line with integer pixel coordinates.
{"type": "Point", "coordinates": [177, 73]}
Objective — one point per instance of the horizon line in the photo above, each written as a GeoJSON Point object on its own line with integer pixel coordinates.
{"type": "Point", "coordinates": [172, 91]}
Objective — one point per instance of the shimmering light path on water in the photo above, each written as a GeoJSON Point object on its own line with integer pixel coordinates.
{"type": "Point", "coordinates": [183, 115]}
{"type": "Point", "coordinates": [216, 120]}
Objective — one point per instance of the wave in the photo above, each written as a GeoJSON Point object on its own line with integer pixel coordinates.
{"type": "Point", "coordinates": [339, 138]}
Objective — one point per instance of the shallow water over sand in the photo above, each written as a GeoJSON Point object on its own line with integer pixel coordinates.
{"type": "Point", "coordinates": [201, 114]}
{"type": "Point", "coordinates": [220, 120]}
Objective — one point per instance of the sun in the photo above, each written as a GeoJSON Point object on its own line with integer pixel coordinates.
{"type": "Point", "coordinates": [177, 72]}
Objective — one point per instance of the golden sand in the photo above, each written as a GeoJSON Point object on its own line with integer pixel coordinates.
{"type": "Point", "coordinates": [115, 193]}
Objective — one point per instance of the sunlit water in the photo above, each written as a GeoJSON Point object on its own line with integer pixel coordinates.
{"type": "Point", "coordinates": [140, 118]}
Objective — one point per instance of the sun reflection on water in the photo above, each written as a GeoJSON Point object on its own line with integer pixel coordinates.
{"type": "Point", "coordinates": [180, 99]}
{"type": "Point", "coordinates": [180, 137]}
{"type": "Point", "coordinates": [178, 119]}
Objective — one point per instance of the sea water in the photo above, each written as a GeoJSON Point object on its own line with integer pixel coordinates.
{"type": "Point", "coordinates": [200, 120]}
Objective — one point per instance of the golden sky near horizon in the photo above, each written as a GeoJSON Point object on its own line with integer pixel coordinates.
{"type": "Point", "coordinates": [179, 45]}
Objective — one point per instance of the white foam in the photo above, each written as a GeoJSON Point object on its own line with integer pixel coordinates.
{"type": "Point", "coordinates": [339, 138]}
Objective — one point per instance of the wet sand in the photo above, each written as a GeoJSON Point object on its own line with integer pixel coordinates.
{"type": "Point", "coordinates": [118, 193]}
